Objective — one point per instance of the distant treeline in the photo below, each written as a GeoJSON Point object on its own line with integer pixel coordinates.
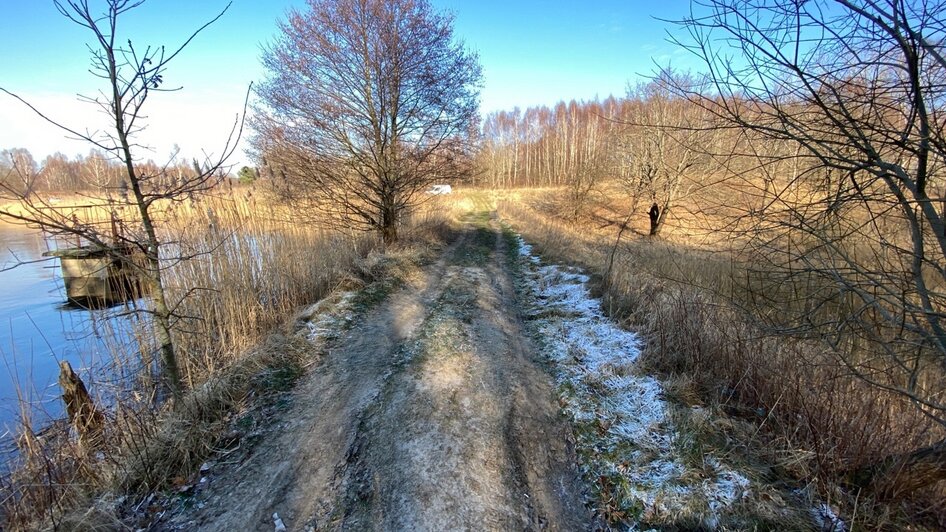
{"type": "Point", "coordinates": [544, 146]}
{"type": "Point", "coordinates": [58, 173]}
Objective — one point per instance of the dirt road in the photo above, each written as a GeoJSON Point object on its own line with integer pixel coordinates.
{"type": "Point", "coordinates": [433, 412]}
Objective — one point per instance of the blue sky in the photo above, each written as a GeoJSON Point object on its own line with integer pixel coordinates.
{"type": "Point", "coordinates": [532, 52]}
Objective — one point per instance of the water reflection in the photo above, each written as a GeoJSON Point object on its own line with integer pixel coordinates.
{"type": "Point", "coordinates": [38, 328]}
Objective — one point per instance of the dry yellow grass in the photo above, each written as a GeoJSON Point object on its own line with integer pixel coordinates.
{"type": "Point", "coordinates": [814, 420]}
{"type": "Point", "coordinates": [248, 267]}
{"type": "Point", "coordinates": [253, 265]}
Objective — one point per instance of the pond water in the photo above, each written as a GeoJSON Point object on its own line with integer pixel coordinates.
{"type": "Point", "coordinates": [38, 329]}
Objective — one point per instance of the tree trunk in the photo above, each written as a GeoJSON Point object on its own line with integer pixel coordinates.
{"type": "Point", "coordinates": [388, 224]}
{"type": "Point", "coordinates": [80, 408]}
{"type": "Point", "coordinates": [901, 474]}
{"type": "Point", "coordinates": [654, 219]}
{"type": "Point", "coordinates": [170, 372]}
{"type": "Point", "coordinates": [162, 314]}
{"type": "Point", "coordinates": [389, 234]}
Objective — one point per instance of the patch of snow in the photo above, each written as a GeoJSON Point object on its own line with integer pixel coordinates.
{"type": "Point", "coordinates": [278, 525]}
{"type": "Point", "coordinates": [729, 487]}
{"type": "Point", "coordinates": [633, 434]}
{"type": "Point", "coordinates": [326, 324]}
{"type": "Point", "coordinates": [525, 250]}
{"type": "Point", "coordinates": [827, 519]}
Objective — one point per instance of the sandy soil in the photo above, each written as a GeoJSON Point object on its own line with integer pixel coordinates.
{"type": "Point", "coordinates": [433, 412]}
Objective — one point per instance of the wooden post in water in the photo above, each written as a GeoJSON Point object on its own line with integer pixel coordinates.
{"type": "Point", "coordinates": [80, 408]}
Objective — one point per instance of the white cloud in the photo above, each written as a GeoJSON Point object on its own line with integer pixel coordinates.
{"type": "Point", "coordinates": [197, 121]}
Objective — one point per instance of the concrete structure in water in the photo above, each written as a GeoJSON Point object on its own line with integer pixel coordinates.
{"type": "Point", "coordinates": [93, 274]}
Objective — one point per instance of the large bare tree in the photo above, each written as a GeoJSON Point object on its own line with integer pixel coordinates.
{"type": "Point", "coordinates": [367, 103]}
{"type": "Point", "coordinates": [131, 75]}
{"type": "Point", "coordinates": [853, 91]}
{"type": "Point", "coordinates": [666, 139]}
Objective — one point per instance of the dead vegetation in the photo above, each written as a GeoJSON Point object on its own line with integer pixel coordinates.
{"type": "Point", "coordinates": [796, 292]}
{"type": "Point", "coordinates": [785, 405]}
{"type": "Point", "coordinates": [256, 268]}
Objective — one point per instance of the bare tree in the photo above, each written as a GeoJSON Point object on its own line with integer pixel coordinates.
{"type": "Point", "coordinates": [591, 153]}
{"type": "Point", "coordinates": [573, 145]}
{"type": "Point", "coordinates": [98, 172]}
{"type": "Point", "coordinates": [367, 103]}
{"type": "Point", "coordinates": [22, 173]}
{"type": "Point", "coordinates": [60, 174]}
{"type": "Point", "coordinates": [854, 90]}
{"type": "Point", "coordinates": [666, 139]}
{"type": "Point", "coordinates": [131, 76]}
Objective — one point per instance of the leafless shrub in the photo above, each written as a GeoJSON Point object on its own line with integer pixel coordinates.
{"type": "Point", "coordinates": [849, 247]}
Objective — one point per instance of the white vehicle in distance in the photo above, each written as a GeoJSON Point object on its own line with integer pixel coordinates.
{"type": "Point", "coordinates": [439, 190]}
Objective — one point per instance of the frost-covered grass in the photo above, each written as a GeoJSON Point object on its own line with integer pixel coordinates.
{"type": "Point", "coordinates": [625, 435]}
{"type": "Point", "coordinates": [827, 518]}
{"type": "Point", "coordinates": [779, 408]}
{"type": "Point", "coordinates": [327, 318]}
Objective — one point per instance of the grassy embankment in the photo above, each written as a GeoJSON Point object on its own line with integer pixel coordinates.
{"type": "Point", "coordinates": [251, 266]}
{"type": "Point", "coordinates": [781, 406]}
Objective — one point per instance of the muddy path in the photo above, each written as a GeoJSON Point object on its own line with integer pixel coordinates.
{"type": "Point", "coordinates": [433, 412]}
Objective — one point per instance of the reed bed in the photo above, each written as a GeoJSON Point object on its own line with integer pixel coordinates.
{"type": "Point", "coordinates": [237, 267]}
{"type": "Point", "coordinates": [248, 267]}
{"type": "Point", "coordinates": [813, 422]}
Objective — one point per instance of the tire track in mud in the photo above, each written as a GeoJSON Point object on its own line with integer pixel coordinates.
{"type": "Point", "coordinates": [467, 434]}
{"type": "Point", "coordinates": [432, 413]}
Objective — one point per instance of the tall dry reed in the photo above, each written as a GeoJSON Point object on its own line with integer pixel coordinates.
{"type": "Point", "coordinates": [248, 266]}
{"type": "Point", "coordinates": [237, 266]}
